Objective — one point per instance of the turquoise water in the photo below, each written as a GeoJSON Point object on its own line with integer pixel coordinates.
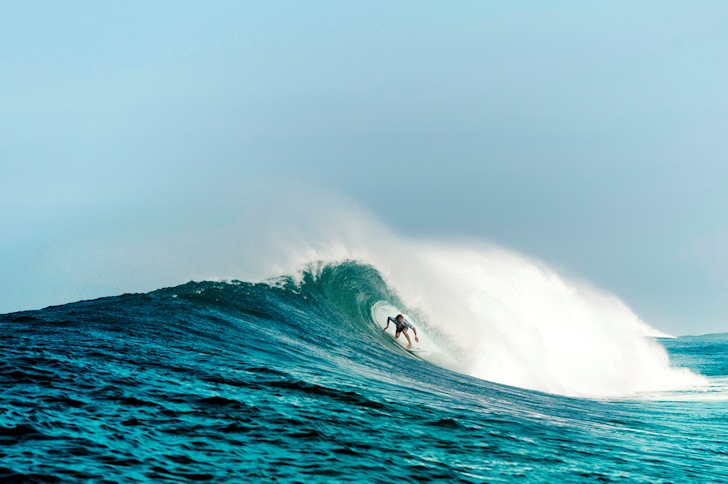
{"type": "Point", "coordinates": [294, 381]}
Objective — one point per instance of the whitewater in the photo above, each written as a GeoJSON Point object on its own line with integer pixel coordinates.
{"type": "Point", "coordinates": [521, 372]}
{"type": "Point", "coordinates": [498, 315]}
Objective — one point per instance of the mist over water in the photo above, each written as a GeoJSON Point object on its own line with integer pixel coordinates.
{"type": "Point", "coordinates": [490, 312]}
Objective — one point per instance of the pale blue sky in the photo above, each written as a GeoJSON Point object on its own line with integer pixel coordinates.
{"type": "Point", "coordinates": [591, 135]}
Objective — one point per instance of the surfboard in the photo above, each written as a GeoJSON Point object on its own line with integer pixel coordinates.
{"type": "Point", "coordinates": [401, 343]}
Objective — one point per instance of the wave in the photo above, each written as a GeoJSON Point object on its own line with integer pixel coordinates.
{"type": "Point", "coordinates": [298, 366]}
{"type": "Point", "coordinates": [500, 317]}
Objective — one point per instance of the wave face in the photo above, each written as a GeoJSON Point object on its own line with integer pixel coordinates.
{"type": "Point", "coordinates": [294, 380]}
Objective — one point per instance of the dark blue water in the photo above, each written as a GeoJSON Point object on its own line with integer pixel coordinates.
{"type": "Point", "coordinates": [239, 382]}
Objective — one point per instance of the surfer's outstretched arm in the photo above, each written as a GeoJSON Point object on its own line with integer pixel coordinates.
{"type": "Point", "coordinates": [415, 330]}
{"type": "Point", "coordinates": [388, 320]}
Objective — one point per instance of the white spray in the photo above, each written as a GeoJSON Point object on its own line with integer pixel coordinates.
{"type": "Point", "coordinates": [515, 321]}
{"type": "Point", "coordinates": [503, 317]}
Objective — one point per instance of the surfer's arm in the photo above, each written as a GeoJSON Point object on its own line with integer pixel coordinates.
{"type": "Point", "coordinates": [388, 320]}
{"type": "Point", "coordinates": [415, 331]}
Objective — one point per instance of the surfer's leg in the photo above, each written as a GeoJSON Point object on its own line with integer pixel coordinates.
{"type": "Point", "coordinates": [409, 341]}
{"type": "Point", "coordinates": [396, 335]}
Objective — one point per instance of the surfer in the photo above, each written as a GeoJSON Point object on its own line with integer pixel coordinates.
{"type": "Point", "coordinates": [402, 325]}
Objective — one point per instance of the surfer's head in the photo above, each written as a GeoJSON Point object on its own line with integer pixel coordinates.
{"type": "Point", "coordinates": [399, 318]}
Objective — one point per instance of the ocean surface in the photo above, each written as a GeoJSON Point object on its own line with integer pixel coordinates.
{"type": "Point", "coordinates": [294, 380]}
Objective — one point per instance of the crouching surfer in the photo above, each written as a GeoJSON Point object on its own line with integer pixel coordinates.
{"type": "Point", "coordinates": [402, 325]}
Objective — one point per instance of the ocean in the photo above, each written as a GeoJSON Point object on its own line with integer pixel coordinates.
{"type": "Point", "coordinates": [295, 380]}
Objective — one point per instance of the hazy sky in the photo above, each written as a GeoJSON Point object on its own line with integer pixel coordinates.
{"type": "Point", "coordinates": [591, 135]}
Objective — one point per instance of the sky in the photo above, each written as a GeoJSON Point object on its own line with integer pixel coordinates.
{"type": "Point", "coordinates": [588, 135]}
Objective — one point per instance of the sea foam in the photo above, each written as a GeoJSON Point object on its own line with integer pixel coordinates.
{"type": "Point", "coordinates": [504, 317]}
